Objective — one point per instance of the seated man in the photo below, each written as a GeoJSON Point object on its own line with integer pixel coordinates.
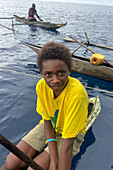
{"type": "Point", "coordinates": [32, 12]}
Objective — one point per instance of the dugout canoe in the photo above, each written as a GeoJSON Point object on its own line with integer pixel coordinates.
{"type": "Point", "coordinates": [42, 24]}
{"type": "Point", "coordinates": [82, 65]}
{"type": "Point", "coordinates": [94, 110]}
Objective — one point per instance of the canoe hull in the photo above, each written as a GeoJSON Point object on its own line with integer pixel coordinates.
{"type": "Point", "coordinates": [46, 25]}
{"type": "Point", "coordinates": [85, 67]}
{"type": "Point", "coordinates": [82, 65]}
{"type": "Point", "coordinates": [94, 111]}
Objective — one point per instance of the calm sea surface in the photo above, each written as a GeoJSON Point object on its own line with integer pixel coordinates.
{"type": "Point", "coordinates": [19, 75]}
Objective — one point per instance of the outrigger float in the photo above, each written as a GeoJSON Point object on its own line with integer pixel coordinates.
{"type": "Point", "coordinates": [94, 111]}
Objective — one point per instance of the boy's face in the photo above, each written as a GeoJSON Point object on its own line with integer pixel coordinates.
{"type": "Point", "coordinates": [55, 72]}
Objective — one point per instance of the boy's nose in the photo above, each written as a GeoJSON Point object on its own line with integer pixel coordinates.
{"type": "Point", "coordinates": [55, 79]}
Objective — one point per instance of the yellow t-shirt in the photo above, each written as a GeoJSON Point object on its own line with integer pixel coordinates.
{"type": "Point", "coordinates": [68, 112]}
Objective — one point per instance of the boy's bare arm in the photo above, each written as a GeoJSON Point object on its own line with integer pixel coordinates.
{"type": "Point", "coordinates": [66, 154]}
{"type": "Point", "coordinates": [50, 134]}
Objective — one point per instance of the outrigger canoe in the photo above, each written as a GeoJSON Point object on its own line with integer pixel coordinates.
{"type": "Point", "coordinates": [94, 111]}
{"type": "Point", "coordinates": [82, 65]}
{"type": "Point", "coordinates": [46, 25]}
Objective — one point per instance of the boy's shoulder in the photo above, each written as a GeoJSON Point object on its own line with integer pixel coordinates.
{"type": "Point", "coordinates": [75, 87]}
{"type": "Point", "coordinates": [40, 83]}
{"type": "Point", "coordinates": [74, 81]}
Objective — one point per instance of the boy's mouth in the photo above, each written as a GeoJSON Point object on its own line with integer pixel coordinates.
{"type": "Point", "coordinates": [57, 86]}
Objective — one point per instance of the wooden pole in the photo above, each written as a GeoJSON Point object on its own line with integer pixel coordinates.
{"type": "Point", "coordinates": [87, 37]}
{"type": "Point", "coordinates": [90, 50]}
{"type": "Point", "coordinates": [12, 29]}
{"type": "Point", "coordinates": [20, 24]}
{"type": "Point", "coordinates": [90, 44]}
{"type": "Point", "coordinates": [7, 27]}
{"type": "Point", "coordinates": [78, 47]}
{"type": "Point", "coordinates": [97, 45]}
{"type": "Point", "coordinates": [6, 17]}
{"type": "Point", "coordinates": [12, 26]}
{"type": "Point", "coordinates": [101, 46]}
{"type": "Point", "coordinates": [12, 148]}
{"type": "Point", "coordinates": [82, 44]}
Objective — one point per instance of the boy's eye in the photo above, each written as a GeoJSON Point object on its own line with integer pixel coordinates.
{"type": "Point", "coordinates": [60, 73]}
{"type": "Point", "coordinates": [48, 74]}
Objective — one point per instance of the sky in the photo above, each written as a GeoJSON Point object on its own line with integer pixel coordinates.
{"type": "Point", "coordinates": [94, 2]}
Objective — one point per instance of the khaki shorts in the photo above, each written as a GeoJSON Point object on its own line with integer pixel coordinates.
{"type": "Point", "coordinates": [36, 139]}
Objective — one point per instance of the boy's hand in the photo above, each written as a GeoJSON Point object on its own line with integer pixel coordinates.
{"type": "Point", "coordinates": [53, 166]}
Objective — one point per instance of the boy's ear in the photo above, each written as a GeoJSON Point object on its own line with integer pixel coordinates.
{"type": "Point", "coordinates": [69, 70]}
{"type": "Point", "coordinates": [41, 72]}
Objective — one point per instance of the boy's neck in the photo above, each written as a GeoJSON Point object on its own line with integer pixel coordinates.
{"type": "Point", "coordinates": [57, 94]}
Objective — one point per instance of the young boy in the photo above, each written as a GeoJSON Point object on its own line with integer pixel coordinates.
{"type": "Point", "coordinates": [62, 102]}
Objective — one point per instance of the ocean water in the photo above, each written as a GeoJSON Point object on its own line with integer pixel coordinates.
{"type": "Point", "coordinates": [19, 74]}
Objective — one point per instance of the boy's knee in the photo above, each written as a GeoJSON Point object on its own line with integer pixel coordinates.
{"type": "Point", "coordinates": [12, 162]}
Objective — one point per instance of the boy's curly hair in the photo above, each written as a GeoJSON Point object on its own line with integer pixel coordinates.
{"type": "Point", "coordinates": [53, 50]}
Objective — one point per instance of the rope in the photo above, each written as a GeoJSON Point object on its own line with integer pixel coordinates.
{"type": "Point", "coordinates": [105, 91]}
{"type": "Point", "coordinates": [20, 73]}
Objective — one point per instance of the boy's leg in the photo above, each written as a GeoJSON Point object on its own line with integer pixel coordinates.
{"type": "Point", "coordinates": [43, 160]}
{"type": "Point", "coordinates": [13, 162]}
{"type": "Point", "coordinates": [33, 142]}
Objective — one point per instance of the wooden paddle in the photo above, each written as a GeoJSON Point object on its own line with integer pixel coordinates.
{"type": "Point", "coordinates": [90, 50]}
{"type": "Point", "coordinates": [12, 148]}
